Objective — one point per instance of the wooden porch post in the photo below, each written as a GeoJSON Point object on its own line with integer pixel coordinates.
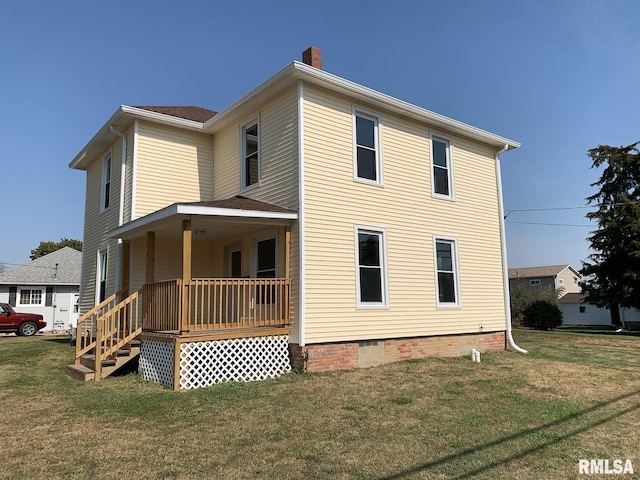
{"type": "Point", "coordinates": [186, 275]}
{"type": "Point", "coordinates": [287, 249]}
{"type": "Point", "coordinates": [151, 257]}
{"type": "Point", "coordinates": [124, 273]}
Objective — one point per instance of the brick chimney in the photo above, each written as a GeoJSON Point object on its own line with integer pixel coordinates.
{"type": "Point", "coordinates": [312, 56]}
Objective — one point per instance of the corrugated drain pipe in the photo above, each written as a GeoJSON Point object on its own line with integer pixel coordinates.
{"type": "Point", "coordinates": [505, 268]}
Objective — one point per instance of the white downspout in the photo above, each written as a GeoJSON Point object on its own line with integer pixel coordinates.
{"type": "Point", "coordinates": [123, 162]}
{"type": "Point", "coordinates": [505, 268]}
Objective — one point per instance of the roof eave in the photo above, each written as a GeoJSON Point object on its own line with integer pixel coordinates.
{"type": "Point", "coordinates": [301, 71]}
{"type": "Point", "coordinates": [126, 111]}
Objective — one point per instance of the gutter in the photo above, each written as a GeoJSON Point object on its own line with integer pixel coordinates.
{"type": "Point", "coordinates": [505, 269]}
{"type": "Point", "coordinates": [123, 165]}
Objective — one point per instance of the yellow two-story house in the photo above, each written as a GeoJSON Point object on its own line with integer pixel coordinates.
{"type": "Point", "coordinates": [314, 223]}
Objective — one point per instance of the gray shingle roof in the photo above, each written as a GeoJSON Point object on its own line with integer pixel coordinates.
{"type": "Point", "coordinates": [544, 271]}
{"type": "Point", "coordinates": [42, 271]}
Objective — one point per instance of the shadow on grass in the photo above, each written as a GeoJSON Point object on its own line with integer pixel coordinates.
{"type": "Point", "coordinates": [600, 331]}
{"type": "Point", "coordinates": [63, 340]}
{"type": "Point", "coordinates": [529, 431]}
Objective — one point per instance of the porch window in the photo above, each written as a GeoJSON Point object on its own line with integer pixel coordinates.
{"type": "Point", "coordinates": [250, 154]}
{"type": "Point", "coordinates": [266, 268]}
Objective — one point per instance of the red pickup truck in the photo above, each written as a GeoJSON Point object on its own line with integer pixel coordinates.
{"type": "Point", "coordinates": [23, 324]}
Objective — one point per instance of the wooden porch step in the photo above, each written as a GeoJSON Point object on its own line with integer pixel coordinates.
{"type": "Point", "coordinates": [81, 372]}
{"type": "Point", "coordinates": [89, 361]}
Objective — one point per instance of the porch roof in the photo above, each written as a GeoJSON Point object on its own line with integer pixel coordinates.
{"type": "Point", "coordinates": [209, 220]}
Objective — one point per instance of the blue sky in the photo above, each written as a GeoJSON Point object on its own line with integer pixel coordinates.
{"type": "Point", "coordinates": [558, 76]}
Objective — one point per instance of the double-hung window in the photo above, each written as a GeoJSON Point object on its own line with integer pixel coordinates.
{"type": "Point", "coordinates": [367, 147]}
{"type": "Point", "coordinates": [371, 266]}
{"type": "Point", "coordinates": [106, 182]}
{"type": "Point", "coordinates": [31, 296]}
{"type": "Point", "coordinates": [447, 272]}
{"type": "Point", "coordinates": [442, 168]}
{"type": "Point", "coordinates": [250, 168]}
{"type": "Point", "coordinates": [101, 276]}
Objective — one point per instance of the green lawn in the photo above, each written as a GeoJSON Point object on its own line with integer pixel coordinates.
{"type": "Point", "coordinates": [514, 416]}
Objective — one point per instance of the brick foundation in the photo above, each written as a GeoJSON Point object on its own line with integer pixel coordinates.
{"type": "Point", "coordinates": [326, 357]}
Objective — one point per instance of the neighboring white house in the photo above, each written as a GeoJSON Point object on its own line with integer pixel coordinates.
{"type": "Point", "coordinates": [575, 312]}
{"type": "Point", "coordinates": [49, 286]}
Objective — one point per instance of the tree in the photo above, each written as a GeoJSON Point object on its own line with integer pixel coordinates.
{"type": "Point", "coordinates": [612, 272]}
{"type": "Point", "coordinates": [46, 248]}
{"type": "Point", "coordinates": [522, 296]}
{"type": "Point", "coordinates": [542, 315]}
{"type": "Point", "coordinates": [3, 267]}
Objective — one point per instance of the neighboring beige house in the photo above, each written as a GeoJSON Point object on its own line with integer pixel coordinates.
{"type": "Point", "coordinates": [313, 223]}
{"type": "Point", "coordinates": [555, 276]}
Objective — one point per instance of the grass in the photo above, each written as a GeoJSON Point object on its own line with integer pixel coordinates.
{"type": "Point", "coordinates": [512, 416]}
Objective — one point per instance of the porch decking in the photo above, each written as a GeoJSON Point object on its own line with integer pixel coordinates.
{"type": "Point", "coordinates": [174, 313]}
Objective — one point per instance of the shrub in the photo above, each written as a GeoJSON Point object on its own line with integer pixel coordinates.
{"type": "Point", "coordinates": [542, 315]}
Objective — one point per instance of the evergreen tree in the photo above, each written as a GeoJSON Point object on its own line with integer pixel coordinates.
{"type": "Point", "coordinates": [612, 272]}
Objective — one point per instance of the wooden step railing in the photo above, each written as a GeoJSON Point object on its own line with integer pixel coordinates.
{"type": "Point", "coordinates": [108, 327]}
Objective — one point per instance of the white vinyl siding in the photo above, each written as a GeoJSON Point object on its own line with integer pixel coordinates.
{"type": "Point", "coordinates": [334, 203]}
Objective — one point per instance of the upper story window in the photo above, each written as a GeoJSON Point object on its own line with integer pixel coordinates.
{"type": "Point", "coordinates": [535, 283]}
{"type": "Point", "coordinates": [250, 168]}
{"type": "Point", "coordinates": [442, 168]}
{"type": "Point", "coordinates": [106, 182]}
{"type": "Point", "coordinates": [447, 272]}
{"type": "Point", "coordinates": [372, 270]}
{"type": "Point", "coordinates": [561, 281]}
{"type": "Point", "coordinates": [367, 147]}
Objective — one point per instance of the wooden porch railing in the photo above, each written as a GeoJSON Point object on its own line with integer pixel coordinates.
{"type": "Point", "coordinates": [216, 303]}
{"type": "Point", "coordinates": [108, 327]}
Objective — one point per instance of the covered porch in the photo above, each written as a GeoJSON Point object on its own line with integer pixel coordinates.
{"type": "Point", "coordinates": [206, 288]}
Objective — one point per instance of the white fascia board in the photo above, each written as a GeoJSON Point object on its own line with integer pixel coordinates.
{"type": "Point", "coordinates": [115, 118]}
{"type": "Point", "coordinates": [162, 118]}
{"type": "Point", "coordinates": [301, 71]}
{"type": "Point", "coordinates": [181, 209]}
{"type": "Point", "coordinates": [233, 212]}
{"type": "Point", "coordinates": [401, 106]}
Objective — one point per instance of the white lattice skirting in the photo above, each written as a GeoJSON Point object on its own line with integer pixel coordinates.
{"type": "Point", "coordinates": [240, 360]}
{"type": "Point", "coordinates": [156, 362]}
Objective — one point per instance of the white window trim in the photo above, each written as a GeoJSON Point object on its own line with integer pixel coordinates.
{"type": "Point", "coordinates": [243, 148]}
{"type": "Point", "coordinates": [43, 296]}
{"type": "Point", "coordinates": [535, 282]}
{"type": "Point", "coordinates": [456, 270]}
{"type": "Point", "coordinates": [101, 250]}
{"type": "Point", "coordinates": [377, 119]}
{"type": "Point", "coordinates": [442, 138]}
{"type": "Point", "coordinates": [383, 263]}
{"type": "Point", "coordinates": [103, 184]}
{"type": "Point", "coordinates": [561, 281]}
